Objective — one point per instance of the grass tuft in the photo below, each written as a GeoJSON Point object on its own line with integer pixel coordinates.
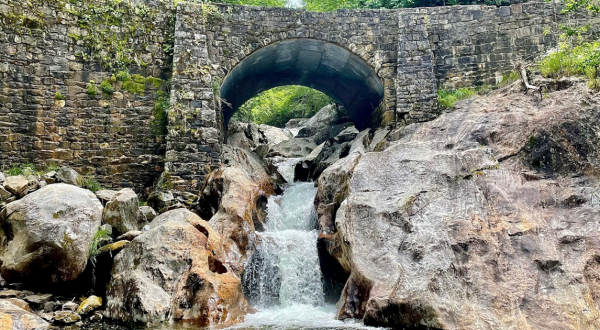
{"type": "Point", "coordinates": [447, 98]}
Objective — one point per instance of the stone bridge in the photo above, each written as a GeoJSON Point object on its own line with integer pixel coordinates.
{"type": "Point", "coordinates": [384, 66]}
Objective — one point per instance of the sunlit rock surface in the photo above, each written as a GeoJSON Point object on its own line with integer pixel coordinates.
{"type": "Point", "coordinates": [233, 199]}
{"type": "Point", "coordinates": [175, 271]}
{"type": "Point", "coordinates": [46, 236]}
{"type": "Point", "coordinates": [485, 218]}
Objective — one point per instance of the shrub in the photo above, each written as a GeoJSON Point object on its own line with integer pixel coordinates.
{"type": "Point", "coordinates": [92, 184]}
{"type": "Point", "coordinates": [59, 96]}
{"type": "Point", "coordinates": [580, 60]}
{"type": "Point", "coordinates": [92, 89]}
{"type": "Point", "coordinates": [23, 169]}
{"type": "Point", "coordinates": [107, 87]}
{"type": "Point", "coordinates": [447, 99]}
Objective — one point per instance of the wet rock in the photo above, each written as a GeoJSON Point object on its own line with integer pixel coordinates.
{"type": "Point", "coordinates": [16, 318]}
{"type": "Point", "coordinates": [38, 299]}
{"type": "Point", "coordinates": [65, 318]}
{"type": "Point", "coordinates": [69, 176]}
{"type": "Point", "coordinates": [113, 248]}
{"type": "Point", "coordinates": [89, 305]}
{"type": "Point", "coordinates": [147, 213]}
{"type": "Point", "coordinates": [16, 184]}
{"type": "Point", "coordinates": [47, 234]}
{"type": "Point", "coordinates": [123, 212]}
{"type": "Point", "coordinates": [129, 236]}
{"type": "Point", "coordinates": [170, 270]}
{"type": "Point", "coordinates": [105, 195]}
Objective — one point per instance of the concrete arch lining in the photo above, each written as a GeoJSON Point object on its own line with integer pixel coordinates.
{"type": "Point", "coordinates": [318, 64]}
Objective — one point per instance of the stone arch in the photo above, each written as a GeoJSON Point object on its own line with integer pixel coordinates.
{"type": "Point", "coordinates": [314, 63]}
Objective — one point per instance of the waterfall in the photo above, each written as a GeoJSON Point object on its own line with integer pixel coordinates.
{"type": "Point", "coordinates": [283, 279]}
{"type": "Point", "coordinates": [285, 268]}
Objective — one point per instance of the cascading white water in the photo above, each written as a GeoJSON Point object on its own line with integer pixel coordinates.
{"type": "Point", "coordinates": [285, 268]}
{"type": "Point", "coordinates": [283, 278]}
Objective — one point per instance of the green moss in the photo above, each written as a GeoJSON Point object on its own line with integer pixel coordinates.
{"type": "Point", "coordinates": [133, 87]}
{"type": "Point", "coordinates": [107, 87]}
{"type": "Point", "coordinates": [92, 184]}
{"type": "Point", "coordinates": [57, 214]}
{"type": "Point", "coordinates": [92, 89]}
{"type": "Point", "coordinates": [160, 121]}
{"type": "Point", "coordinates": [138, 79]}
{"type": "Point", "coordinates": [59, 96]}
{"type": "Point", "coordinates": [532, 140]}
{"type": "Point", "coordinates": [123, 75]}
{"type": "Point", "coordinates": [156, 82]}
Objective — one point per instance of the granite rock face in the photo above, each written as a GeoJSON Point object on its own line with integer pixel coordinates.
{"type": "Point", "coordinates": [175, 271]}
{"type": "Point", "coordinates": [483, 218]}
{"type": "Point", "coordinates": [234, 199]}
{"type": "Point", "coordinates": [47, 234]}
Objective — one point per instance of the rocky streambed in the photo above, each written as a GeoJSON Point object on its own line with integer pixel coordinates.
{"type": "Point", "coordinates": [485, 218]}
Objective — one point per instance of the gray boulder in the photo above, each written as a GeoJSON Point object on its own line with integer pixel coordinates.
{"type": "Point", "coordinates": [273, 135]}
{"type": "Point", "coordinates": [69, 176]}
{"type": "Point", "coordinates": [2, 178]}
{"type": "Point", "coordinates": [147, 213]}
{"type": "Point", "coordinates": [105, 195]}
{"type": "Point", "coordinates": [46, 236]}
{"type": "Point", "coordinates": [322, 119]}
{"type": "Point", "coordinates": [159, 200]}
{"type": "Point", "coordinates": [483, 213]}
{"type": "Point", "coordinates": [123, 212]}
{"type": "Point", "coordinates": [173, 272]}
{"type": "Point", "coordinates": [296, 147]}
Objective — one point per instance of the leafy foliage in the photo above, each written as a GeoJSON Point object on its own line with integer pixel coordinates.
{"type": "Point", "coordinates": [23, 169]}
{"type": "Point", "coordinates": [581, 60]}
{"type": "Point", "coordinates": [100, 235]}
{"type": "Point", "coordinates": [278, 105]}
{"type": "Point", "coordinates": [267, 3]}
{"type": "Point", "coordinates": [329, 5]}
{"type": "Point", "coordinates": [447, 99]}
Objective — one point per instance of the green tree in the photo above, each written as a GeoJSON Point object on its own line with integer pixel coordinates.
{"type": "Point", "coordinates": [278, 105]}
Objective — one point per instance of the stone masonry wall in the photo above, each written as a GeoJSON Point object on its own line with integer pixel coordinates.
{"type": "Point", "coordinates": [51, 51]}
{"type": "Point", "coordinates": [478, 45]}
{"type": "Point", "coordinates": [46, 114]}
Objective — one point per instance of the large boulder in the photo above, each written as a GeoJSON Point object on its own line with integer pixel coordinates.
{"type": "Point", "coordinates": [483, 218]}
{"type": "Point", "coordinates": [325, 117]}
{"type": "Point", "coordinates": [16, 318]}
{"type": "Point", "coordinates": [272, 135]}
{"type": "Point", "coordinates": [123, 212]}
{"type": "Point", "coordinates": [46, 236]}
{"type": "Point", "coordinates": [175, 271]}
{"type": "Point", "coordinates": [234, 199]}
{"type": "Point", "coordinates": [296, 147]}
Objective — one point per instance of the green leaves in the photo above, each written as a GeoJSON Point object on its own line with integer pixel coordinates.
{"type": "Point", "coordinates": [278, 105]}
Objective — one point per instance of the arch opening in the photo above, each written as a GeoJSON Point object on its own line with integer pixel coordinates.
{"type": "Point", "coordinates": [313, 63]}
